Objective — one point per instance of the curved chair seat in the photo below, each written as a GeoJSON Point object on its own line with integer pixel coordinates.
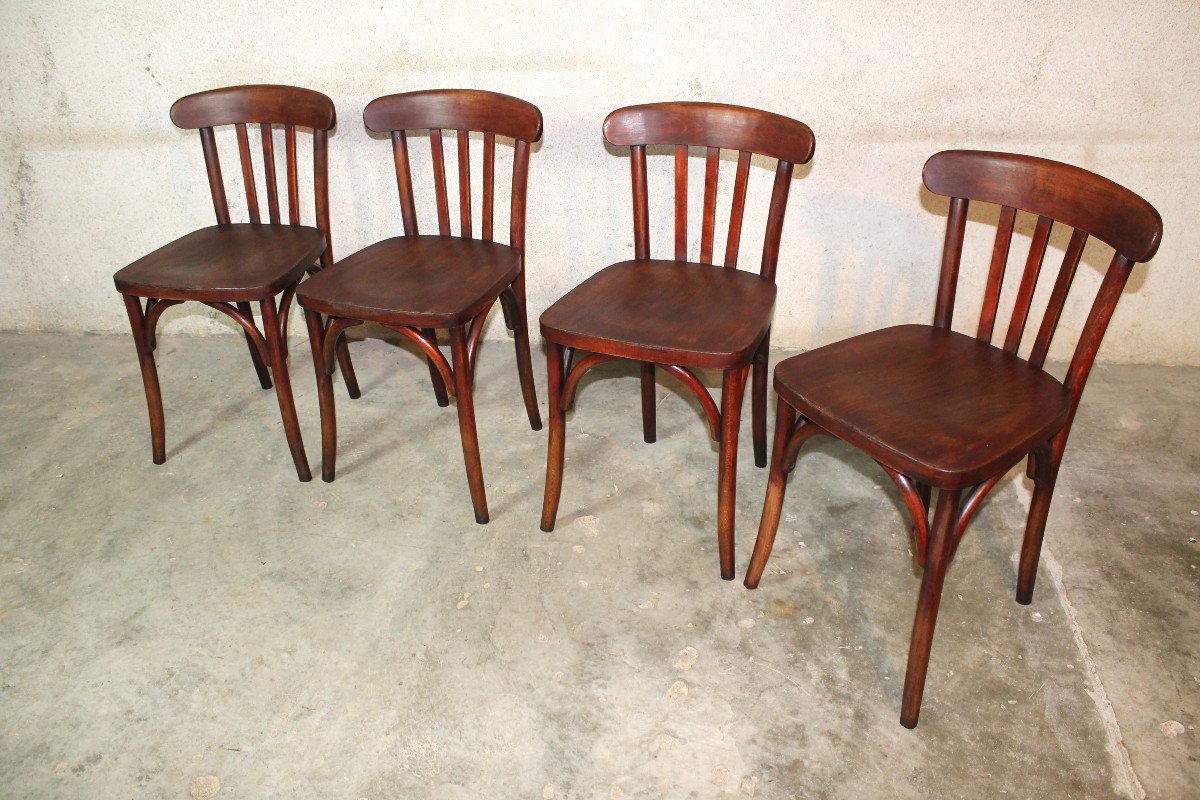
{"type": "Point", "coordinates": [946, 427]}
{"type": "Point", "coordinates": [245, 261]}
{"type": "Point", "coordinates": [423, 281]}
{"type": "Point", "coordinates": [677, 312]}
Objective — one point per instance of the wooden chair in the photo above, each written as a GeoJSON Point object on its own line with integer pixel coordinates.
{"type": "Point", "coordinates": [677, 314]}
{"type": "Point", "coordinates": [228, 266]}
{"type": "Point", "coordinates": [939, 409]}
{"type": "Point", "coordinates": [414, 284]}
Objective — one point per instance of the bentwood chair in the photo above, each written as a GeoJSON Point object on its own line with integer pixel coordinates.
{"type": "Point", "coordinates": [414, 284]}
{"type": "Point", "coordinates": [230, 265]}
{"type": "Point", "coordinates": [680, 315]}
{"type": "Point", "coordinates": [940, 409]}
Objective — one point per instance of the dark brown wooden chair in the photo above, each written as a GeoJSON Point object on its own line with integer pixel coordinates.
{"type": "Point", "coordinates": [939, 409]}
{"type": "Point", "coordinates": [677, 314]}
{"type": "Point", "coordinates": [414, 284]}
{"type": "Point", "coordinates": [228, 266]}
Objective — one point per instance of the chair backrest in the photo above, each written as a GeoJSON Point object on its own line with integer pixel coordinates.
{"type": "Point", "coordinates": [462, 111]}
{"type": "Point", "coordinates": [1090, 204]}
{"type": "Point", "coordinates": [713, 126]}
{"type": "Point", "coordinates": [265, 106]}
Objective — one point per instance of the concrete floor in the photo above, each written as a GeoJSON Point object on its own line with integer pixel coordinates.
{"type": "Point", "coordinates": [165, 629]}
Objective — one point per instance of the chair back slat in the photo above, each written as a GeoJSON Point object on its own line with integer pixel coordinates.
{"type": "Point", "coordinates": [708, 222]}
{"type": "Point", "coordinates": [713, 127]}
{"type": "Point", "coordinates": [321, 189]}
{"type": "Point", "coordinates": [243, 141]}
{"type": "Point", "coordinates": [463, 111]}
{"type": "Point", "coordinates": [489, 183]}
{"type": "Point", "coordinates": [439, 181]}
{"type": "Point", "coordinates": [520, 185]}
{"type": "Point", "coordinates": [956, 226]}
{"type": "Point", "coordinates": [268, 147]}
{"type": "Point", "coordinates": [995, 279]}
{"type": "Point", "coordinates": [1029, 277]}
{"type": "Point", "coordinates": [216, 184]}
{"type": "Point", "coordinates": [1058, 298]}
{"type": "Point", "coordinates": [737, 209]}
{"type": "Point", "coordinates": [464, 184]}
{"type": "Point", "coordinates": [293, 178]}
{"type": "Point", "coordinates": [681, 201]}
{"type": "Point", "coordinates": [408, 208]}
{"type": "Point", "coordinates": [779, 194]}
{"type": "Point", "coordinates": [641, 203]}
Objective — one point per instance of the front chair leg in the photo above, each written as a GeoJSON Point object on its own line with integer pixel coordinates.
{"type": "Point", "coordinates": [649, 434]}
{"type": "Point", "coordinates": [283, 387]}
{"type": "Point", "coordinates": [768, 525]}
{"type": "Point", "coordinates": [466, 422]}
{"type": "Point", "coordinates": [941, 544]}
{"type": "Point", "coordinates": [158, 428]}
{"type": "Point", "coordinates": [1035, 530]}
{"type": "Point", "coordinates": [758, 402]}
{"type": "Point", "coordinates": [733, 383]}
{"type": "Point", "coordinates": [316, 338]}
{"type": "Point", "coordinates": [557, 438]}
{"type": "Point", "coordinates": [264, 377]}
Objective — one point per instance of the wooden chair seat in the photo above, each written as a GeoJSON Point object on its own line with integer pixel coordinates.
{"type": "Point", "coordinates": [424, 281]}
{"type": "Point", "coordinates": [678, 312]}
{"type": "Point", "coordinates": [950, 428]}
{"type": "Point", "coordinates": [240, 262]}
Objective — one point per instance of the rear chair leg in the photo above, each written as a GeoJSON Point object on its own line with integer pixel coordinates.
{"type": "Point", "coordinates": [648, 406]}
{"type": "Point", "coordinates": [1035, 531]}
{"type": "Point", "coordinates": [758, 402]}
{"type": "Point", "coordinates": [283, 387]}
{"type": "Point", "coordinates": [316, 338]}
{"type": "Point", "coordinates": [518, 322]}
{"type": "Point", "coordinates": [435, 377]}
{"type": "Point", "coordinates": [264, 376]}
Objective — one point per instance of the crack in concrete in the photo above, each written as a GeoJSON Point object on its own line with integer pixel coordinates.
{"type": "Point", "coordinates": [1125, 777]}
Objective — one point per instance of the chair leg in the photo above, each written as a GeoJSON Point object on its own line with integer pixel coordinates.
{"type": "Point", "coordinates": [758, 402]}
{"type": "Point", "coordinates": [283, 387]}
{"type": "Point", "coordinates": [768, 525]}
{"type": "Point", "coordinates": [466, 422]}
{"type": "Point", "coordinates": [316, 338]}
{"type": "Point", "coordinates": [344, 363]}
{"type": "Point", "coordinates": [941, 543]}
{"type": "Point", "coordinates": [1035, 530]}
{"type": "Point", "coordinates": [264, 376]}
{"type": "Point", "coordinates": [517, 320]}
{"type": "Point", "coordinates": [733, 383]}
{"type": "Point", "coordinates": [439, 386]}
{"type": "Point", "coordinates": [649, 434]}
{"type": "Point", "coordinates": [158, 427]}
{"type": "Point", "coordinates": [557, 438]}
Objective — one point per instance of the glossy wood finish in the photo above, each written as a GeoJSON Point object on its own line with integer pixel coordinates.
{"type": "Point", "coordinates": [416, 284]}
{"type": "Point", "coordinates": [939, 409]}
{"type": "Point", "coordinates": [677, 315]}
{"type": "Point", "coordinates": [230, 265]}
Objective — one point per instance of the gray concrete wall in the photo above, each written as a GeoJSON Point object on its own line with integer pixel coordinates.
{"type": "Point", "coordinates": [94, 175]}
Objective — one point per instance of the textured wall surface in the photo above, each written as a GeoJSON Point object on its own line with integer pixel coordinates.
{"type": "Point", "coordinates": [94, 174]}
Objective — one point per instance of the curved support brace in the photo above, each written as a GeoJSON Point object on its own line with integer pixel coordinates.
{"type": "Point", "coordinates": [572, 382]}
{"type": "Point", "coordinates": [247, 325]}
{"type": "Point", "coordinates": [804, 430]}
{"type": "Point", "coordinates": [154, 310]}
{"type": "Point", "coordinates": [335, 327]}
{"type": "Point", "coordinates": [508, 302]}
{"type": "Point", "coordinates": [916, 509]}
{"type": "Point", "coordinates": [690, 380]}
{"type": "Point", "coordinates": [568, 362]}
{"type": "Point", "coordinates": [476, 333]}
{"type": "Point", "coordinates": [430, 349]}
